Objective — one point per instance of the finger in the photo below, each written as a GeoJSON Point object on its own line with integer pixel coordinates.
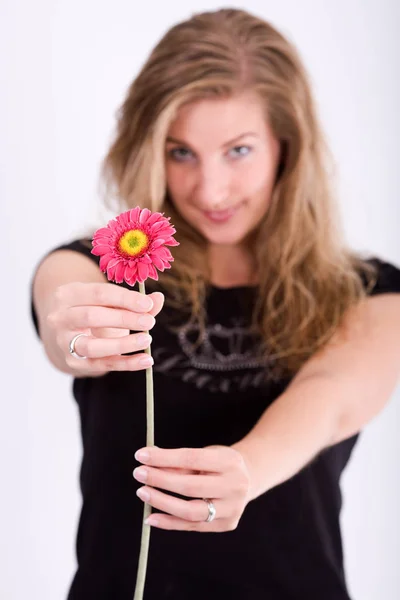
{"type": "Point", "coordinates": [174, 523]}
{"type": "Point", "coordinates": [191, 486]}
{"type": "Point", "coordinates": [93, 347]}
{"type": "Point", "coordinates": [158, 302]}
{"type": "Point", "coordinates": [217, 459]}
{"type": "Point", "coordinates": [103, 294]}
{"type": "Point", "coordinates": [188, 510]}
{"type": "Point", "coordinates": [181, 471]}
{"type": "Point", "coordinates": [137, 362]}
{"type": "Point", "coordinates": [81, 317]}
{"type": "Point", "coordinates": [113, 332]}
{"type": "Point", "coordinates": [109, 332]}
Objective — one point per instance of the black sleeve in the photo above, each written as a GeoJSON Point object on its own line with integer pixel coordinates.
{"type": "Point", "coordinates": [388, 277]}
{"type": "Point", "coordinates": [83, 246]}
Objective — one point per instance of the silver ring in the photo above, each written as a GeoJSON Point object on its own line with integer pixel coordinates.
{"type": "Point", "coordinates": [72, 350]}
{"type": "Point", "coordinates": [211, 510]}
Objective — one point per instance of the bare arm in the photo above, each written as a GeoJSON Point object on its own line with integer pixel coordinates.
{"type": "Point", "coordinates": [332, 397]}
{"type": "Point", "coordinates": [71, 295]}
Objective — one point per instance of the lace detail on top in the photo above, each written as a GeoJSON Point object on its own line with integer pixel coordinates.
{"type": "Point", "coordinates": [227, 359]}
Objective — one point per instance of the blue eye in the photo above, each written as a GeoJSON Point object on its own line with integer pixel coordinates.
{"type": "Point", "coordinates": [180, 154]}
{"type": "Point", "coordinates": [238, 151]}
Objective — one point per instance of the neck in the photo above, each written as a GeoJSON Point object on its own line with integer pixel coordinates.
{"type": "Point", "coordinates": [231, 266]}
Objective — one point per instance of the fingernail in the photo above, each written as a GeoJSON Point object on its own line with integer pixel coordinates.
{"type": "Point", "coordinates": [143, 494]}
{"type": "Point", "coordinates": [140, 474]}
{"type": "Point", "coordinates": [147, 361]}
{"type": "Point", "coordinates": [142, 455]}
{"type": "Point", "coordinates": [145, 302]}
{"type": "Point", "coordinates": [146, 321]}
{"type": "Point", "coordinates": [151, 521]}
{"type": "Point", "coordinates": [144, 338]}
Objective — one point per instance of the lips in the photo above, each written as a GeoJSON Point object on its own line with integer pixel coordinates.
{"type": "Point", "coordinates": [220, 216]}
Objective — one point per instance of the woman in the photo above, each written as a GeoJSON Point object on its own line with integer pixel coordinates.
{"type": "Point", "coordinates": [275, 346]}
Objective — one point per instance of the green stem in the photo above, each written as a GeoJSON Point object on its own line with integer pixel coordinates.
{"type": "Point", "coordinates": [145, 540]}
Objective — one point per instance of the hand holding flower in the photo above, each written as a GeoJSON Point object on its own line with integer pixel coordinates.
{"type": "Point", "coordinates": [215, 472]}
{"type": "Point", "coordinates": [113, 320]}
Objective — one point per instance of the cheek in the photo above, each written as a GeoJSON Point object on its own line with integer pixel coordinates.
{"type": "Point", "coordinates": [171, 177]}
{"type": "Point", "coordinates": [178, 182]}
{"type": "Point", "coordinates": [179, 188]}
{"type": "Point", "coordinates": [178, 173]}
{"type": "Point", "coordinates": [256, 180]}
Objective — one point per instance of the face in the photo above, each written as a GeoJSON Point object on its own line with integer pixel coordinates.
{"type": "Point", "coordinates": [221, 161]}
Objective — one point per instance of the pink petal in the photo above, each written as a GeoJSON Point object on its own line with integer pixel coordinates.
{"type": "Point", "coordinates": [112, 226]}
{"type": "Point", "coordinates": [164, 232]}
{"type": "Point", "coordinates": [134, 214]}
{"type": "Point", "coordinates": [145, 259]}
{"type": "Point", "coordinates": [100, 250]}
{"type": "Point", "coordinates": [144, 215]}
{"type": "Point", "coordinates": [124, 219]}
{"type": "Point", "coordinates": [143, 271]}
{"type": "Point", "coordinates": [111, 271]}
{"type": "Point", "coordinates": [158, 226]}
{"type": "Point", "coordinates": [164, 253]}
{"type": "Point", "coordinates": [153, 272]}
{"type": "Point", "coordinates": [171, 242]}
{"type": "Point", "coordinates": [154, 218]}
{"type": "Point", "coordinates": [171, 229]}
{"type": "Point", "coordinates": [114, 261]}
{"type": "Point", "coordinates": [103, 232]}
{"type": "Point", "coordinates": [103, 241]}
{"type": "Point", "coordinates": [104, 260]}
{"type": "Point", "coordinates": [157, 243]}
{"type": "Point", "coordinates": [120, 272]}
{"type": "Point", "coordinates": [130, 272]}
{"type": "Point", "coordinates": [157, 262]}
{"type": "Point", "coordinates": [131, 281]}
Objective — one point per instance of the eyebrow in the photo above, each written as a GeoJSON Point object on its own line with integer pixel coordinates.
{"type": "Point", "coordinates": [235, 139]}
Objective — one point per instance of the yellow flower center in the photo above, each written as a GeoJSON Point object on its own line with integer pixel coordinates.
{"type": "Point", "coordinates": [133, 242]}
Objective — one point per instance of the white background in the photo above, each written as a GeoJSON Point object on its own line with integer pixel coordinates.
{"type": "Point", "coordinates": [65, 66]}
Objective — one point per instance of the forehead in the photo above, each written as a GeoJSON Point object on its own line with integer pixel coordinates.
{"type": "Point", "coordinates": [220, 118]}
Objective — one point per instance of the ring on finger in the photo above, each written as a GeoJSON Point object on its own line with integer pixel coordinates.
{"type": "Point", "coordinates": [211, 510]}
{"type": "Point", "coordinates": [72, 343]}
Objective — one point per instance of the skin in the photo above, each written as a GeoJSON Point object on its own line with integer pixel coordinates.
{"type": "Point", "coordinates": [334, 395]}
{"type": "Point", "coordinates": [71, 296]}
{"type": "Point", "coordinates": [222, 153]}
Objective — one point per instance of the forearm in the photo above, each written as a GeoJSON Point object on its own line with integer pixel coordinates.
{"type": "Point", "coordinates": [333, 396]}
{"type": "Point", "coordinates": [304, 420]}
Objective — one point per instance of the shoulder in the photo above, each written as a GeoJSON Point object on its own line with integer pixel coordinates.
{"type": "Point", "coordinates": [72, 252]}
{"type": "Point", "coordinates": [385, 278]}
{"type": "Point", "coordinates": [80, 246]}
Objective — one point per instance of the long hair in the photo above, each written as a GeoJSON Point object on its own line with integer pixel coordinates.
{"type": "Point", "coordinates": [308, 278]}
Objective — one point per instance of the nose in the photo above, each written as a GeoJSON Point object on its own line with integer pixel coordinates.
{"type": "Point", "coordinates": [212, 187]}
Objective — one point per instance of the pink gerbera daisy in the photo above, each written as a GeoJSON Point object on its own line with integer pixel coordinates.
{"type": "Point", "coordinates": [132, 246]}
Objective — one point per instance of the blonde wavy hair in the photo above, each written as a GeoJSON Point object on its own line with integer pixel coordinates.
{"type": "Point", "coordinates": [308, 278]}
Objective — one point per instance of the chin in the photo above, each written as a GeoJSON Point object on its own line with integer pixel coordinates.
{"type": "Point", "coordinates": [224, 238]}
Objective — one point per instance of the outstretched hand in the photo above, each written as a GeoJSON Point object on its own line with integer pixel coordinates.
{"type": "Point", "coordinates": [218, 473]}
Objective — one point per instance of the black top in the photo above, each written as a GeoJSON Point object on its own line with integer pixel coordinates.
{"type": "Point", "coordinates": [287, 545]}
